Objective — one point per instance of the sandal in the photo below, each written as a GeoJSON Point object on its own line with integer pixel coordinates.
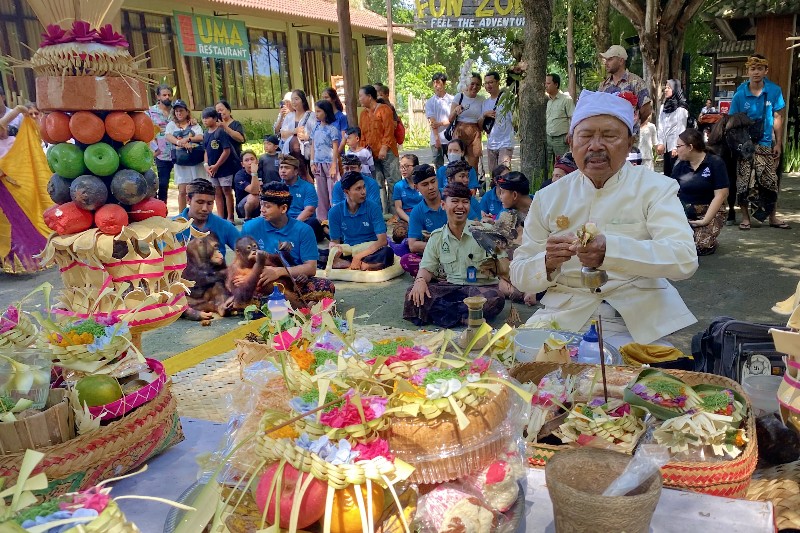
{"type": "Point", "coordinates": [744, 226]}
{"type": "Point", "coordinates": [780, 225]}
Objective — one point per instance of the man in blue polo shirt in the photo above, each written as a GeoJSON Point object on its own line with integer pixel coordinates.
{"type": "Point", "coordinates": [358, 231]}
{"type": "Point", "coordinates": [757, 178]}
{"type": "Point", "coordinates": [201, 202]}
{"type": "Point", "coordinates": [425, 217]}
{"type": "Point", "coordinates": [275, 227]}
{"type": "Point", "coordinates": [304, 195]}
{"type": "Point", "coordinates": [351, 163]}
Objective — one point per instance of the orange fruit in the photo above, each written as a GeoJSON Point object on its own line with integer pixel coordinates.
{"type": "Point", "coordinates": [57, 126]}
{"type": "Point", "coordinates": [98, 389]}
{"type": "Point", "coordinates": [345, 516]}
{"type": "Point", "coordinates": [145, 129]}
{"type": "Point", "coordinates": [43, 130]}
{"type": "Point", "coordinates": [119, 126]}
{"type": "Point", "coordinates": [87, 127]}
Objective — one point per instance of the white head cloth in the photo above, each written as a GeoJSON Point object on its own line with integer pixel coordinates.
{"type": "Point", "coordinates": [593, 104]}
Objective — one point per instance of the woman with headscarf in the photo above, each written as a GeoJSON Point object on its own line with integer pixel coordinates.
{"type": "Point", "coordinates": [671, 122]}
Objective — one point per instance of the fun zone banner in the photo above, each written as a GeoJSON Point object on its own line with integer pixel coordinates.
{"type": "Point", "coordinates": [468, 14]}
{"type": "Point", "coordinates": [206, 36]}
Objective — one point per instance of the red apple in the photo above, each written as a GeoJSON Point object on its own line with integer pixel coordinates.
{"type": "Point", "coordinates": [312, 506]}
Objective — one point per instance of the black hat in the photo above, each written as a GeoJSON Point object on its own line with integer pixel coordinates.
{"type": "Point", "coordinates": [351, 178]}
{"type": "Point", "coordinates": [515, 181]}
{"type": "Point", "coordinates": [272, 139]}
{"type": "Point", "coordinates": [454, 167]}
{"type": "Point", "coordinates": [290, 160]}
{"type": "Point", "coordinates": [422, 172]}
{"type": "Point", "coordinates": [276, 192]}
{"type": "Point", "coordinates": [180, 103]}
{"type": "Point", "coordinates": [457, 190]}
{"type": "Point", "coordinates": [350, 159]}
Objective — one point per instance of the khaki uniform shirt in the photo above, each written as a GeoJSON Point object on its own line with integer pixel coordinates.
{"type": "Point", "coordinates": [454, 256]}
{"type": "Point", "coordinates": [559, 114]}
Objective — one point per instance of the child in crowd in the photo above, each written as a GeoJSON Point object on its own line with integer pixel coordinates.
{"type": "Point", "coordinates": [270, 161]}
{"type": "Point", "coordinates": [490, 203]}
{"type": "Point", "coordinates": [221, 162]}
{"type": "Point", "coordinates": [455, 152]}
{"type": "Point", "coordinates": [648, 139]}
{"type": "Point", "coordinates": [364, 154]}
{"type": "Point", "coordinates": [405, 196]}
{"type": "Point", "coordinates": [324, 155]}
{"type": "Point", "coordinates": [247, 186]}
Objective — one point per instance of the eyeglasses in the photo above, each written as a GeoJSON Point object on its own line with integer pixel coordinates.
{"type": "Point", "coordinates": [679, 145]}
{"type": "Point", "coordinates": [406, 166]}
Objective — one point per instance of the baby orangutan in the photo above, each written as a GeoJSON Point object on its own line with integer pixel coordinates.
{"type": "Point", "coordinates": [244, 273]}
{"type": "Point", "coordinates": [205, 266]}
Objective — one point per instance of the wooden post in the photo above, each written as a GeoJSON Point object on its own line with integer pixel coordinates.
{"type": "Point", "coordinates": [572, 86]}
{"type": "Point", "coordinates": [390, 50]}
{"type": "Point", "coordinates": [346, 53]}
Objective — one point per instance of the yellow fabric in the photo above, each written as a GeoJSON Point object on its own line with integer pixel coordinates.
{"type": "Point", "coordinates": [5, 236]}
{"type": "Point", "coordinates": [635, 354]}
{"type": "Point", "coordinates": [27, 174]}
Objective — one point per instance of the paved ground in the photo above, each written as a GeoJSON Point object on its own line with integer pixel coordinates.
{"type": "Point", "coordinates": [750, 272]}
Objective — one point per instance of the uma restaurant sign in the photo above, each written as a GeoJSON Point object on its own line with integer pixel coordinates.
{"type": "Point", "coordinates": [468, 14]}
{"type": "Point", "coordinates": [205, 36]}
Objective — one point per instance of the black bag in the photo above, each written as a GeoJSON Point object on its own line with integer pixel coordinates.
{"type": "Point", "coordinates": [187, 157]}
{"type": "Point", "coordinates": [488, 122]}
{"type": "Point", "coordinates": [737, 349]}
{"type": "Point", "coordinates": [450, 130]}
{"type": "Point", "coordinates": [756, 129]}
{"type": "Point", "coordinates": [691, 212]}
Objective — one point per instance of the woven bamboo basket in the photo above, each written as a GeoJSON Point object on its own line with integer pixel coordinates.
{"type": "Point", "coordinates": [722, 478]}
{"type": "Point", "coordinates": [69, 355]}
{"type": "Point", "coordinates": [250, 351]}
{"type": "Point", "coordinates": [108, 451]}
{"type": "Point", "coordinates": [21, 336]}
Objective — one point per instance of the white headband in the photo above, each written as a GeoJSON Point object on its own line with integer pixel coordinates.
{"type": "Point", "coordinates": [593, 104]}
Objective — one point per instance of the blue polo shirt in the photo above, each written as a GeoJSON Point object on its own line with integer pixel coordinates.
{"type": "Point", "coordinates": [373, 190]}
{"type": "Point", "coordinates": [224, 230]}
{"type": "Point", "coordinates": [744, 101]}
{"type": "Point", "coordinates": [303, 195]}
{"type": "Point", "coordinates": [355, 228]}
{"type": "Point", "coordinates": [423, 218]}
{"type": "Point", "coordinates": [407, 194]}
{"type": "Point", "coordinates": [441, 177]}
{"type": "Point", "coordinates": [269, 237]}
{"type": "Point", "coordinates": [490, 203]}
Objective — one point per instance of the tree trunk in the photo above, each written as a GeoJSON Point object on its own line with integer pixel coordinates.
{"type": "Point", "coordinates": [348, 72]}
{"type": "Point", "coordinates": [390, 51]}
{"type": "Point", "coordinates": [602, 31]}
{"type": "Point", "coordinates": [661, 30]}
{"type": "Point", "coordinates": [572, 82]}
{"type": "Point", "coordinates": [532, 99]}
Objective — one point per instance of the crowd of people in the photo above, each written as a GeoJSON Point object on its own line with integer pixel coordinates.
{"type": "Point", "coordinates": [322, 192]}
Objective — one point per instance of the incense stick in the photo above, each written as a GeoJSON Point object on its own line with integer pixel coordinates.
{"type": "Point", "coordinates": [602, 355]}
{"type": "Point", "coordinates": [303, 415]}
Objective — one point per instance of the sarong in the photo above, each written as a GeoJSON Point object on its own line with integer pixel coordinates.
{"type": "Point", "coordinates": [446, 308]}
{"type": "Point", "coordinates": [705, 237]}
{"type": "Point", "coordinates": [757, 181]}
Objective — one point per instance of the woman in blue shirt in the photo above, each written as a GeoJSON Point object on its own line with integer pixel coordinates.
{"type": "Point", "coordinates": [330, 95]}
{"type": "Point", "coordinates": [325, 139]}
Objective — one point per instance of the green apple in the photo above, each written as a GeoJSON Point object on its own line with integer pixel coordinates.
{"type": "Point", "coordinates": [136, 155]}
{"type": "Point", "coordinates": [66, 160]}
{"type": "Point", "coordinates": [101, 159]}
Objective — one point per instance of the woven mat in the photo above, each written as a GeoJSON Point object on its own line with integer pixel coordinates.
{"type": "Point", "coordinates": [781, 486]}
{"type": "Point", "coordinates": [202, 391]}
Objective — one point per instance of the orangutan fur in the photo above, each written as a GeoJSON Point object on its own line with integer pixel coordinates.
{"type": "Point", "coordinates": [205, 266]}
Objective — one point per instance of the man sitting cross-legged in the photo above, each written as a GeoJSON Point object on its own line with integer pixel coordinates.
{"type": "Point", "coordinates": [426, 216]}
{"type": "Point", "coordinates": [358, 231]}
{"type": "Point", "coordinates": [351, 163]}
{"type": "Point", "coordinates": [278, 234]}
{"type": "Point", "coordinates": [453, 249]}
{"type": "Point", "coordinates": [304, 195]}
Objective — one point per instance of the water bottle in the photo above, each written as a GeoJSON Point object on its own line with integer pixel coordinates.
{"type": "Point", "coordinates": [589, 348]}
{"type": "Point", "coordinates": [277, 305]}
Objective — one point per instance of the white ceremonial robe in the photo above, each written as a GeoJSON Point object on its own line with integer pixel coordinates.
{"type": "Point", "coordinates": [647, 239]}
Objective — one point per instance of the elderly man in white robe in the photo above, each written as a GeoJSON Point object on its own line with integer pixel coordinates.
{"type": "Point", "coordinates": [643, 238]}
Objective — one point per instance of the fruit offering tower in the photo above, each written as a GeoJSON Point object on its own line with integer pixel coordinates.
{"type": "Point", "coordinates": [115, 247]}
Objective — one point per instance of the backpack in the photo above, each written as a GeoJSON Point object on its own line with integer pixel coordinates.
{"type": "Point", "coordinates": [737, 349]}
{"type": "Point", "coordinates": [399, 131]}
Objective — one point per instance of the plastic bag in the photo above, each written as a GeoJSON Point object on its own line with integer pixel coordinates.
{"type": "Point", "coordinates": [552, 392]}
{"type": "Point", "coordinates": [498, 482]}
{"type": "Point", "coordinates": [646, 463]}
{"type": "Point", "coordinates": [456, 505]}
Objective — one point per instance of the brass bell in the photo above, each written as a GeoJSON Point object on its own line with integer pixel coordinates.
{"type": "Point", "coordinates": [592, 278]}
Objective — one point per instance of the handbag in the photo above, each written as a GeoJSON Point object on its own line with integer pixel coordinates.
{"type": "Point", "coordinates": [399, 132]}
{"type": "Point", "coordinates": [756, 129]}
{"type": "Point", "coordinates": [187, 157]}
{"type": "Point", "coordinates": [450, 130]}
{"type": "Point", "coordinates": [488, 122]}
